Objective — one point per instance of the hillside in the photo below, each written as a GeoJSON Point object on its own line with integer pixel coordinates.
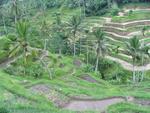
{"type": "Point", "coordinates": [74, 57]}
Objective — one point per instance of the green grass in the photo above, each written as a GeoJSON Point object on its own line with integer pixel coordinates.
{"type": "Point", "coordinates": [67, 84]}
{"type": "Point", "coordinates": [127, 108]}
{"type": "Point", "coordinates": [136, 15]}
{"type": "Point", "coordinates": [136, 5]}
{"type": "Point", "coordinates": [67, 81]}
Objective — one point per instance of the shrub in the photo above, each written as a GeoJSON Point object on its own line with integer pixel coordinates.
{"type": "Point", "coordinates": [121, 76]}
{"type": "Point", "coordinates": [88, 68]}
{"type": "Point", "coordinates": [114, 11]}
{"type": "Point", "coordinates": [96, 7]}
{"type": "Point", "coordinates": [130, 12]}
{"type": "Point", "coordinates": [3, 110]}
{"type": "Point", "coordinates": [58, 72]}
{"type": "Point", "coordinates": [32, 68]}
{"type": "Point", "coordinates": [3, 56]}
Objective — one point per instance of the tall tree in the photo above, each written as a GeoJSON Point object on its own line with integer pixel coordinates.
{"type": "Point", "coordinates": [101, 46]}
{"type": "Point", "coordinates": [74, 26]}
{"type": "Point", "coordinates": [59, 33]}
{"type": "Point", "coordinates": [144, 52]}
{"type": "Point", "coordinates": [133, 48]}
{"type": "Point", "coordinates": [21, 42]}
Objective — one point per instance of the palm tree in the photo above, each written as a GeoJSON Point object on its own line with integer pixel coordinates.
{"type": "Point", "coordinates": [74, 26]}
{"type": "Point", "coordinates": [144, 50]}
{"type": "Point", "coordinates": [44, 32]}
{"type": "Point", "coordinates": [101, 45]}
{"type": "Point", "coordinates": [60, 33]}
{"type": "Point", "coordinates": [133, 48]}
{"type": "Point", "coordinates": [84, 7]}
{"type": "Point", "coordinates": [21, 43]}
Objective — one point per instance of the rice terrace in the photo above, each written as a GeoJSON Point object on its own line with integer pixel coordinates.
{"type": "Point", "coordinates": [74, 56]}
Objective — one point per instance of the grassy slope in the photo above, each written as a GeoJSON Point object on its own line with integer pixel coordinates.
{"type": "Point", "coordinates": [11, 87]}
{"type": "Point", "coordinates": [136, 15]}
{"type": "Point", "coordinates": [136, 5]}
{"type": "Point", "coordinates": [68, 84]}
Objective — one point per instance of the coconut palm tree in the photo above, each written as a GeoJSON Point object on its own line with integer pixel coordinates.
{"type": "Point", "coordinates": [144, 50]}
{"type": "Point", "coordinates": [133, 49]}
{"type": "Point", "coordinates": [101, 45]}
{"type": "Point", "coordinates": [60, 33]}
{"type": "Point", "coordinates": [74, 26]}
{"type": "Point", "coordinates": [138, 50]}
{"type": "Point", "coordinates": [21, 43]}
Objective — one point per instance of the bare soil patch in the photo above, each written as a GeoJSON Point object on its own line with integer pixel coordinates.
{"type": "Point", "coordinates": [82, 105]}
{"type": "Point", "coordinates": [77, 63]}
{"type": "Point", "coordinates": [142, 102]}
{"type": "Point", "coordinates": [89, 78]}
{"type": "Point", "coordinates": [58, 99]}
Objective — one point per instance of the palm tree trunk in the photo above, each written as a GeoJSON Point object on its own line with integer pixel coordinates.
{"type": "Point", "coordinates": [80, 45]}
{"type": "Point", "coordinates": [4, 25]}
{"type": "Point", "coordinates": [134, 70]}
{"type": "Point", "coordinates": [60, 51]}
{"type": "Point", "coordinates": [143, 70]}
{"type": "Point", "coordinates": [84, 8]}
{"type": "Point", "coordinates": [87, 55]}
{"type": "Point", "coordinates": [97, 62]}
{"type": "Point", "coordinates": [45, 44]}
{"type": "Point", "coordinates": [74, 47]}
{"type": "Point", "coordinates": [47, 68]}
{"type": "Point", "coordinates": [25, 60]}
{"type": "Point", "coordinates": [16, 10]}
{"type": "Point", "coordinates": [97, 59]}
{"type": "Point", "coordinates": [15, 18]}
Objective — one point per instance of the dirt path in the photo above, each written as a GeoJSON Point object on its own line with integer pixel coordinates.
{"type": "Point", "coordinates": [136, 9]}
{"type": "Point", "coordinates": [134, 33]}
{"type": "Point", "coordinates": [108, 20]}
{"type": "Point", "coordinates": [81, 105]}
{"type": "Point", "coordinates": [129, 66]}
{"type": "Point", "coordinates": [88, 78]}
{"type": "Point", "coordinates": [131, 22]}
{"type": "Point", "coordinates": [50, 93]}
{"type": "Point", "coordinates": [117, 35]}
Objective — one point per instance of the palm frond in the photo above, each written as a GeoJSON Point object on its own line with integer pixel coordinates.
{"type": "Point", "coordinates": [22, 29]}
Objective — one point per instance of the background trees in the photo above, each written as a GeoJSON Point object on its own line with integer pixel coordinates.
{"type": "Point", "coordinates": [137, 50]}
{"type": "Point", "coordinates": [74, 27]}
